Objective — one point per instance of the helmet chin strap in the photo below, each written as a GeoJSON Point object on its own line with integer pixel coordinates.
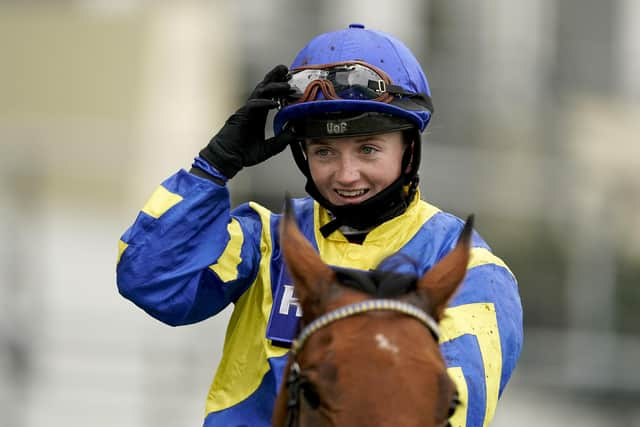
{"type": "Point", "coordinates": [387, 204]}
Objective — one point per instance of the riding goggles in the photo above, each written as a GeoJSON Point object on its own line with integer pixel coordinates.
{"type": "Point", "coordinates": [355, 80]}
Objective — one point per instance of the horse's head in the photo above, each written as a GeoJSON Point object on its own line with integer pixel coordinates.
{"type": "Point", "coordinates": [365, 361]}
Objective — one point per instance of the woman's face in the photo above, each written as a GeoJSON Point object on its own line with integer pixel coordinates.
{"type": "Point", "coordinates": [353, 169]}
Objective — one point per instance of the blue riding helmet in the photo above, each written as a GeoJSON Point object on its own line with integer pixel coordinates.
{"type": "Point", "coordinates": [411, 98]}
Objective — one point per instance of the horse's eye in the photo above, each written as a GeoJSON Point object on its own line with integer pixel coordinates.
{"type": "Point", "coordinates": [310, 394]}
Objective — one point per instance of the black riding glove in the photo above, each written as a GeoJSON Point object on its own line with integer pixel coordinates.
{"type": "Point", "coordinates": [241, 141]}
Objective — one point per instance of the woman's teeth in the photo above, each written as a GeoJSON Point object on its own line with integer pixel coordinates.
{"type": "Point", "coordinates": [350, 193]}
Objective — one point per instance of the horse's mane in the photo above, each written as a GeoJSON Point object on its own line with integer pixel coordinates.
{"type": "Point", "coordinates": [388, 280]}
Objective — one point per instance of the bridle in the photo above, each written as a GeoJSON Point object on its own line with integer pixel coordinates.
{"type": "Point", "coordinates": [362, 307]}
{"type": "Point", "coordinates": [295, 381]}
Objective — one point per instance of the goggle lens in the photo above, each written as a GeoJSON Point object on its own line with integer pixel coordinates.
{"type": "Point", "coordinates": [349, 81]}
{"type": "Point", "coordinates": [299, 80]}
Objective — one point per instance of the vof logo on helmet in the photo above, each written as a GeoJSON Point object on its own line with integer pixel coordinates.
{"type": "Point", "coordinates": [353, 71]}
{"type": "Point", "coordinates": [336, 128]}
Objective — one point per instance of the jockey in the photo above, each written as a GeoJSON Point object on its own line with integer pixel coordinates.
{"type": "Point", "coordinates": [352, 107]}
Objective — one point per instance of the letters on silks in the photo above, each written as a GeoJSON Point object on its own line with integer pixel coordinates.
{"type": "Point", "coordinates": [289, 300]}
{"type": "Point", "coordinates": [285, 314]}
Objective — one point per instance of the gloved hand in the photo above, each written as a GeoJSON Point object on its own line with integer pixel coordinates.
{"type": "Point", "coordinates": [241, 141]}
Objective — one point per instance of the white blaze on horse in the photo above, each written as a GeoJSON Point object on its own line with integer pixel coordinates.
{"type": "Point", "coordinates": [362, 360]}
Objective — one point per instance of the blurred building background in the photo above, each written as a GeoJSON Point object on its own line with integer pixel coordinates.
{"type": "Point", "coordinates": [536, 131]}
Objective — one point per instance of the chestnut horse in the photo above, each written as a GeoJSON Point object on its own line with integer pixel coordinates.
{"type": "Point", "coordinates": [363, 361]}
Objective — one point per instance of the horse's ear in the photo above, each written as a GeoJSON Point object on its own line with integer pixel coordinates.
{"type": "Point", "coordinates": [311, 276]}
{"type": "Point", "coordinates": [442, 280]}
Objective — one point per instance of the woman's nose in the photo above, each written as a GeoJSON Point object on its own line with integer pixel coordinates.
{"type": "Point", "coordinates": [348, 171]}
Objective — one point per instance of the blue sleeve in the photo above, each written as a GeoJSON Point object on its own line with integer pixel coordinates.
{"type": "Point", "coordinates": [187, 255]}
{"type": "Point", "coordinates": [482, 335]}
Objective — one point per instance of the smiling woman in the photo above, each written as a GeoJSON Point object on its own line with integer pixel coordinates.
{"type": "Point", "coordinates": [354, 127]}
{"type": "Point", "coordinates": [351, 170]}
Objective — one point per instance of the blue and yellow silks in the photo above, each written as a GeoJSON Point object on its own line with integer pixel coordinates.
{"type": "Point", "coordinates": [188, 255]}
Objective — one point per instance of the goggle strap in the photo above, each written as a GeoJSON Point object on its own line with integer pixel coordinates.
{"type": "Point", "coordinates": [420, 99]}
{"type": "Point", "coordinates": [378, 86]}
{"type": "Point", "coordinates": [398, 90]}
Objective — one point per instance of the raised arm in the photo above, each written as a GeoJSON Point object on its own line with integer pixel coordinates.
{"type": "Point", "coordinates": [186, 256]}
